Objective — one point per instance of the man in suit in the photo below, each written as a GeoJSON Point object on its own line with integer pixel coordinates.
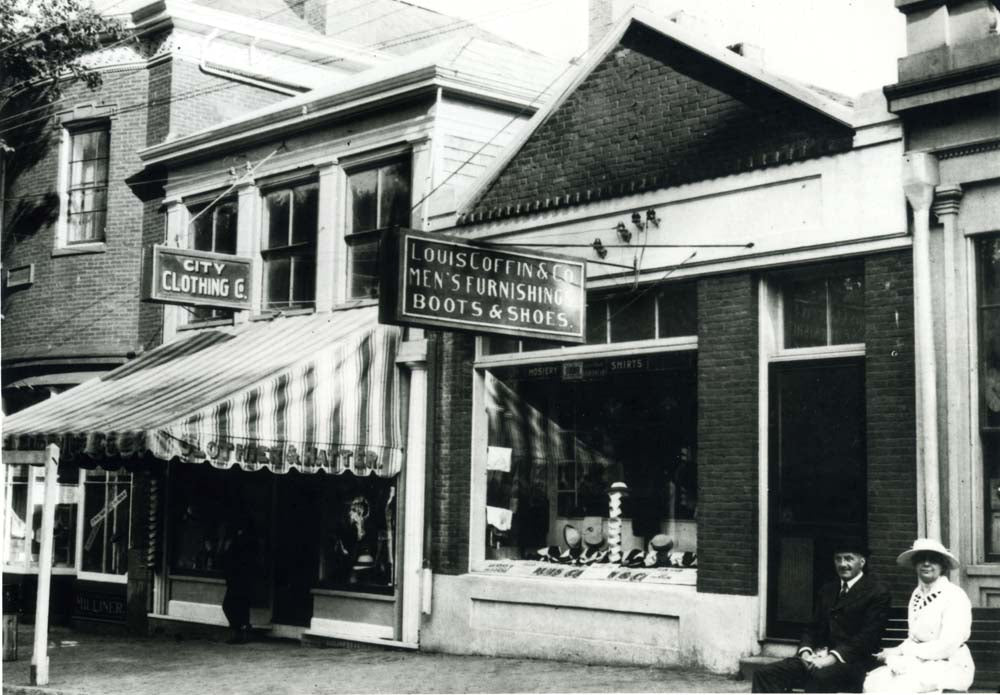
{"type": "Point", "coordinates": [837, 649]}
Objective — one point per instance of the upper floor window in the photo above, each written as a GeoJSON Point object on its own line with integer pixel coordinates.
{"type": "Point", "coordinates": [824, 307]}
{"type": "Point", "coordinates": [380, 199]}
{"type": "Point", "coordinates": [213, 228]}
{"type": "Point", "coordinates": [87, 185]}
{"type": "Point", "coordinates": [291, 218]}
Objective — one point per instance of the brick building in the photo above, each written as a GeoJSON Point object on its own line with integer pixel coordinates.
{"type": "Point", "coordinates": [75, 222]}
{"type": "Point", "coordinates": [748, 369]}
{"type": "Point", "coordinates": [246, 398]}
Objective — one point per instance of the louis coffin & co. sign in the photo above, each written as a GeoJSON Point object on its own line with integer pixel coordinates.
{"type": "Point", "coordinates": [201, 278]}
{"type": "Point", "coordinates": [437, 281]}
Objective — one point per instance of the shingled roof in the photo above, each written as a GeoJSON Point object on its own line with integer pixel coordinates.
{"type": "Point", "coordinates": [653, 108]}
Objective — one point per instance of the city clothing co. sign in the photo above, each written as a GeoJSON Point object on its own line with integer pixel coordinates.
{"type": "Point", "coordinates": [201, 278]}
{"type": "Point", "coordinates": [436, 281]}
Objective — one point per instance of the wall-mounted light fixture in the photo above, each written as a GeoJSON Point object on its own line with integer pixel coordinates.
{"type": "Point", "coordinates": [623, 233]}
{"type": "Point", "coordinates": [599, 249]}
{"type": "Point", "coordinates": [637, 219]}
{"type": "Point", "coordinates": [652, 218]}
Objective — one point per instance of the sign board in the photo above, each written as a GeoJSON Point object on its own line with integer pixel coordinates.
{"type": "Point", "coordinates": [197, 278]}
{"type": "Point", "coordinates": [100, 605]}
{"type": "Point", "coordinates": [438, 281]}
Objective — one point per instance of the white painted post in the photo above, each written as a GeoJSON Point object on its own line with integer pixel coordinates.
{"type": "Point", "coordinates": [920, 176]}
{"type": "Point", "coordinates": [40, 655]}
{"type": "Point", "coordinates": [413, 548]}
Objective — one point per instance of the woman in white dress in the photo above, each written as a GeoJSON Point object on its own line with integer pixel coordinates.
{"type": "Point", "coordinates": [934, 656]}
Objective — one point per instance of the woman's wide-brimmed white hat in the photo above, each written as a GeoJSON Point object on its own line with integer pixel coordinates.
{"type": "Point", "coordinates": [927, 545]}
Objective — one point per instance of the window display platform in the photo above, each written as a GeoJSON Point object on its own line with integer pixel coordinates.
{"type": "Point", "coordinates": [535, 569]}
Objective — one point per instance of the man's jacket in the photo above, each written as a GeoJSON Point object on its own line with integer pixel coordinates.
{"type": "Point", "coordinates": [851, 626]}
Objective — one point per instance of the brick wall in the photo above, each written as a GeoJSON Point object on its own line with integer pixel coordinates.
{"type": "Point", "coordinates": [451, 453]}
{"type": "Point", "coordinates": [727, 434]}
{"type": "Point", "coordinates": [655, 114]}
{"type": "Point", "coordinates": [890, 395]}
{"type": "Point", "coordinates": [88, 304]}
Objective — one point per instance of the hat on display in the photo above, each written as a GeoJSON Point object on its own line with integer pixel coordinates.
{"type": "Point", "coordinates": [572, 537]}
{"type": "Point", "coordinates": [618, 487]}
{"type": "Point", "coordinates": [593, 531]}
{"type": "Point", "coordinates": [927, 545]}
{"type": "Point", "coordinates": [661, 542]}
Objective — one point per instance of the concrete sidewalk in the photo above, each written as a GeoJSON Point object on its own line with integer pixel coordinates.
{"type": "Point", "coordinates": [82, 662]}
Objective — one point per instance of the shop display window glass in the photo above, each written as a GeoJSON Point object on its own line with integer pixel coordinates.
{"type": "Point", "coordinates": [291, 217]}
{"type": "Point", "coordinates": [205, 505]}
{"type": "Point", "coordinates": [988, 254]}
{"type": "Point", "coordinates": [107, 505]}
{"type": "Point", "coordinates": [88, 185]}
{"type": "Point", "coordinates": [559, 436]}
{"type": "Point", "coordinates": [213, 229]}
{"type": "Point", "coordinates": [380, 199]}
{"type": "Point", "coordinates": [359, 541]}
{"type": "Point", "coordinates": [823, 308]}
{"type": "Point", "coordinates": [18, 528]}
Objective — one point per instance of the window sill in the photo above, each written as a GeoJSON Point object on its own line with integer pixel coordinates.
{"type": "Point", "coordinates": [196, 578]}
{"type": "Point", "coordinates": [340, 593]}
{"type": "Point", "coordinates": [80, 249]}
{"type": "Point", "coordinates": [533, 569]}
{"type": "Point", "coordinates": [273, 314]}
{"type": "Point", "coordinates": [102, 577]}
{"type": "Point", "coordinates": [208, 323]}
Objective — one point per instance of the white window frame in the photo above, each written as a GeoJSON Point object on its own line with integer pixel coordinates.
{"type": "Point", "coordinates": [477, 514]}
{"type": "Point", "coordinates": [62, 244]}
{"type": "Point", "coordinates": [288, 181]}
{"type": "Point", "coordinates": [105, 577]}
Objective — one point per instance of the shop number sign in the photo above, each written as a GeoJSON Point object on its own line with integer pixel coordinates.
{"type": "Point", "coordinates": [201, 278]}
{"type": "Point", "coordinates": [437, 281]}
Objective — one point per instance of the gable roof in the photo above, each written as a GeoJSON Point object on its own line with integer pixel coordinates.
{"type": "Point", "coordinates": [652, 107]}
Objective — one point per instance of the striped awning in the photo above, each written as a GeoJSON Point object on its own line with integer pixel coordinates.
{"type": "Point", "coordinates": [310, 393]}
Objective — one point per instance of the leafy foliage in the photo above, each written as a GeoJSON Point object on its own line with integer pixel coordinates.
{"type": "Point", "coordinates": [41, 46]}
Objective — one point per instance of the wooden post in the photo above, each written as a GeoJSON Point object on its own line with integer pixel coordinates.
{"type": "Point", "coordinates": [40, 655]}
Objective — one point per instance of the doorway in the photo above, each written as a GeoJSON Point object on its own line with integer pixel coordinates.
{"type": "Point", "coordinates": [817, 481]}
{"type": "Point", "coordinates": [297, 508]}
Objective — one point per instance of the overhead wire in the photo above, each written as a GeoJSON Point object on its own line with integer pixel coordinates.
{"type": "Point", "coordinates": [416, 36]}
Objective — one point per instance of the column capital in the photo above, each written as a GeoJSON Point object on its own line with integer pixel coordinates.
{"type": "Point", "coordinates": [947, 199]}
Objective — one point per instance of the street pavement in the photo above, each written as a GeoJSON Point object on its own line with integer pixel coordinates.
{"type": "Point", "coordinates": [82, 662]}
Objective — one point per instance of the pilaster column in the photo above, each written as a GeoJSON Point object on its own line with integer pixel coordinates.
{"type": "Point", "coordinates": [176, 215]}
{"type": "Point", "coordinates": [248, 242]}
{"type": "Point", "coordinates": [331, 262]}
{"type": "Point", "coordinates": [920, 176]}
{"type": "Point", "coordinates": [958, 394]}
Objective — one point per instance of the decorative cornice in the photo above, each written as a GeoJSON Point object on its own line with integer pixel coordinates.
{"type": "Point", "coordinates": [968, 148]}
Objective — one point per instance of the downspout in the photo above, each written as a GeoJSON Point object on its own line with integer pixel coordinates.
{"type": "Point", "coordinates": [236, 77]}
{"type": "Point", "coordinates": [920, 176]}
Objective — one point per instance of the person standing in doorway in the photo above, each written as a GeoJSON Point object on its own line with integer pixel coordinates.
{"type": "Point", "coordinates": [837, 649]}
{"type": "Point", "coordinates": [239, 561]}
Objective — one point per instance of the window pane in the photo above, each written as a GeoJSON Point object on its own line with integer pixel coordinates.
{"type": "Point", "coordinates": [306, 216]}
{"type": "Point", "coordinates": [16, 514]}
{"type": "Point", "coordinates": [201, 231]}
{"type": "Point", "coordinates": [303, 280]}
{"type": "Point", "coordinates": [632, 316]}
{"type": "Point", "coordinates": [78, 143]}
{"type": "Point", "coordinates": [277, 219]}
{"type": "Point", "coordinates": [89, 144]}
{"type": "Point", "coordinates": [989, 255]}
{"type": "Point", "coordinates": [499, 345]}
{"type": "Point", "coordinates": [991, 479]}
{"type": "Point", "coordinates": [277, 280]}
{"type": "Point", "coordinates": [805, 313]}
{"type": "Point", "coordinates": [847, 309]}
{"type": "Point", "coordinates": [597, 321]}
{"type": "Point", "coordinates": [571, 433]}
{"type": "Point", "coordinates": [363, 200]}
{"type": "Point", "coordinates": [532, 344]}
{"type": "Point", "coordinates": [362, 268]}
{"type": "Point", "coordinates": [678, 309]}
{"type": "Point", "coordinates": [225, 227]}
{"type": "Point", "coordinates": [394, 201]}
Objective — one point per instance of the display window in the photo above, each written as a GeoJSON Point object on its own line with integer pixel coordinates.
{"type": "Point", "coordinates": [593, 462]}
{"type": "Point", "coordinates": [25, 496]}
{"type": "Point", "coordinates": [988, 256]}
{"type": "Point", "coordinates": [107, 510]}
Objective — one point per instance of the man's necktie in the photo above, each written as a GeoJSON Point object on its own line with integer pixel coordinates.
{"type": "Point", "coordinates": [843, 589]}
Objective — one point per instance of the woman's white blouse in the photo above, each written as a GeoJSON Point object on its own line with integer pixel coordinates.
{"type": "Point", "coordinates": [940, 621]}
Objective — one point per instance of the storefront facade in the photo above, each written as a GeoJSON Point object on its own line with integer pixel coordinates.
{"type": "Point", "coordinates": [747, 373]}
{"type": "Point", "coordinates": [948, 101]}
